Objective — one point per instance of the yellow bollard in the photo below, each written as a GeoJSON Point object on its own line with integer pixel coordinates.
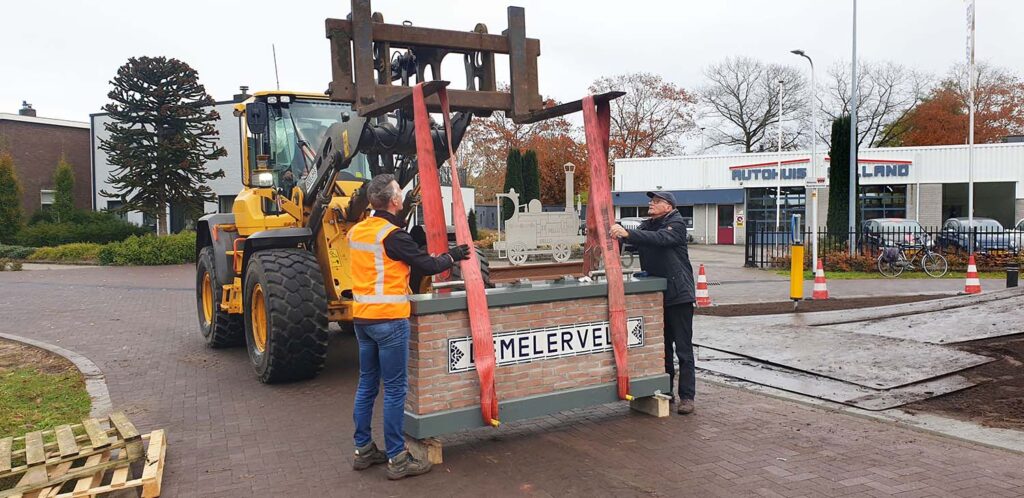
{"type": "Point", "coordinates": [796, 272]}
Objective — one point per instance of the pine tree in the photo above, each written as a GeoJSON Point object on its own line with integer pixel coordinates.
{"type": "Point", "coordinates": [472, 225]}
{"type": "Point", "coordinates": [11, 219]}
{"type": "Point", "coordinates": [513, 180]}
{"type": "Point", "coordinates": [64, 197]}
{"type": "Point", "coordinates": [531, 177]}
{"type": "Point", "coordinates": [839, 180]}
{"type": "Point", "coordinates": [162, 134]}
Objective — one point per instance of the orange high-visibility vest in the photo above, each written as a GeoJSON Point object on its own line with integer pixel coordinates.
{"type": "Point", "coordinates": [380, 285]}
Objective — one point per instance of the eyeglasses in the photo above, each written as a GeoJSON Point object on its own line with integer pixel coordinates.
{"type": "Point", "coordinates": [656, 200]}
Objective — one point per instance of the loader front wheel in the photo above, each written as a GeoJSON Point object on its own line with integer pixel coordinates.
{"type": "Point", "coordinates": [285, 315]}
{"type": "Point", "coordinates": [219, 328]}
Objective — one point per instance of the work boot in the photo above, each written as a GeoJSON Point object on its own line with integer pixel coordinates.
{"type": "Point", "coordinates": [405, 465]}
{"type": "Point", "coordinates": [368, 456]}
{"type": "Point", "coordinates": [685, 407]}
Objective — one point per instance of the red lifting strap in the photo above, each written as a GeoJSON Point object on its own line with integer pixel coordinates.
{"type": "Point", "coordinates": [599, 222]}
{"type": "Point", "coordinates": [437, 242]}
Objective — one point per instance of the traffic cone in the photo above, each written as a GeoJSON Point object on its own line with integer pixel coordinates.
{"type": "Point", "coordinates": [703, 298]}
{"type": "Point", "coordinates": [820, 289]}
{"type": "Point", "coordinates": [973, 285]}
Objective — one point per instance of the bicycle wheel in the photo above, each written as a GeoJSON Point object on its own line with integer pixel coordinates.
{"type": "Point", "coordinates": [891, 269]}
{"type": "Point", "coordinates": [934, 264]}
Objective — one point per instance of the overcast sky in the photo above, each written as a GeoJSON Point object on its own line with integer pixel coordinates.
{"type": "Point", "coordinates": [61, 55]}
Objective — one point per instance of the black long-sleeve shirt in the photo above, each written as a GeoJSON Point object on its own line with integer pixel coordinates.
{"type": "Point", "coordinates": [400, 246]}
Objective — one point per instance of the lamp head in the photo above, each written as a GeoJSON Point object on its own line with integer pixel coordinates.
{"type": "Point", "coordinates": [797, 52]}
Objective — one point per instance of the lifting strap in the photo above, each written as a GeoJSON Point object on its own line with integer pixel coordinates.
{"type": "Point", "coordinates": [437, 243]}
{"type": "Point", "coordinates": [596, 121]}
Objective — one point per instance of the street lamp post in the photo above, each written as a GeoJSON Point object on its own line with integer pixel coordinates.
{"type": "Point", "coordinates": [853, 136]}
{"type": "Point", "coordinates": [778, 167]}
{"type": "Point", "coordinates": [814, 160]}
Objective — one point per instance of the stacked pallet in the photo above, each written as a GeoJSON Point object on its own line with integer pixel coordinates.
{"type": "Point", "coordinates": [93, 458]}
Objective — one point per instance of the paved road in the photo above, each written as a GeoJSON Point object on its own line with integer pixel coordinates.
{"type": "Point", "coordinates": [230, 436]}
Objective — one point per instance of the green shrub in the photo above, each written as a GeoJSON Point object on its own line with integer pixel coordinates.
{"type": "Point", "coordinates": [81, 251]}
{"type": "Point", "coordinates": [150, 250]}
{"type": "Point", "coordinates": [16, 252]}
{"type": "Point", "coordinates": [85, 226]}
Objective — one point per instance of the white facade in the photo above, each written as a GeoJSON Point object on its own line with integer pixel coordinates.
{"type": "Point", "coordinates": [927, 183]}
{"type": "Point", "coordinates": [937, 164]}
{"type": "Point", "coordinates": [227, 187]}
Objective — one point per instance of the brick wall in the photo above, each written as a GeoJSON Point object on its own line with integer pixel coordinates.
{"type": "Point", "coordinates": [36, 148]}
{"type": "Point", "coordinates": [433, 389]}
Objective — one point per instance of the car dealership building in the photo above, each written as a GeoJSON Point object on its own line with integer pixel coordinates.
{"type": "Point", "coordinates": [726, 195]}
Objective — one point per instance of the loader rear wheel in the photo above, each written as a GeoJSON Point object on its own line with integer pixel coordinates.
{"type": "Point", "coordinates": [485, 269]}
{"type": "Point", "coordinates": [286, 315]}
{"type": "Point", "coordinates": [218, 327]}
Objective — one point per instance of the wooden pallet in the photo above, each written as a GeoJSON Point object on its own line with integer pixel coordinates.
{"type": "Point", "coordinates": [83, 460]}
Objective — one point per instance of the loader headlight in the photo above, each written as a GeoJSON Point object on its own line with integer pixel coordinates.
{"type": "Point", "coordinates": [285, 99]}
{"type": "Point", "coordinates": [264, 179]}
{"type": "Point", "coordinates": [271, 99]}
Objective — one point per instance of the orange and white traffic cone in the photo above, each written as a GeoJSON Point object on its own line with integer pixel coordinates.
{"type": "Point", "coordinates": [820, 288]}
{"type": "Point", "coordinates": [972, 285]}
{"type": "Point", "coordinates": [703, 298]}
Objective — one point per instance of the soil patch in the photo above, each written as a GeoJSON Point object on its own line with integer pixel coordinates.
{"type": "Point", "coordinates": [14, 355]}
{"type": "Point", "coordinates": [778, 308]}
{"type": "Point", "coordinates": [999, 400]}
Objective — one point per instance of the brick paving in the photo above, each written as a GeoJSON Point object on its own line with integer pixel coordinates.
{"type": "Point", "coordinates": [231, 436]}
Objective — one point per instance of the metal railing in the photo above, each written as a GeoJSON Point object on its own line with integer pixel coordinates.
{"type": "Point", "coordinates": [766, 247]}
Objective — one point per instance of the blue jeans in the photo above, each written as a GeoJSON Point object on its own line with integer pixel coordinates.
{"type": "Point", "coordinates": [383, 354]}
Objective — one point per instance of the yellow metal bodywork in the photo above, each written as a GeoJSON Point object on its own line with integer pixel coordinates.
{"type": "Point", "coordinates": [332, 237]}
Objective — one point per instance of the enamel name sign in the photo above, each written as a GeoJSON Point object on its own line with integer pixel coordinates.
{"type": "Point", "coordinates": [525, 346]}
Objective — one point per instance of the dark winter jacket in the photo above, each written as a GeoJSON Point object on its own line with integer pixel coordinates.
{"type": "Point", "coordinates": [662, 246]}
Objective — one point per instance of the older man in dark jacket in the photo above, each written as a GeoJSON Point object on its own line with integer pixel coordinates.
{"type": "Point", "coordinates": [661, 241]}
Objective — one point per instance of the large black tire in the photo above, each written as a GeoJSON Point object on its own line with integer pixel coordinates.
{"type": "Point", "coordinates": [219, 328]}
{"type": "Point", "coordinates": [294, 306]}
{"type": "Point", "coordinates": [485, 269]}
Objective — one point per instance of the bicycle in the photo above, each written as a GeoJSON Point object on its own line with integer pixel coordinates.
{"type": "Point", "coordinates": [893, 260]}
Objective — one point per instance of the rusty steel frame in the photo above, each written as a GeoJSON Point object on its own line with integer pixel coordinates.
{"type": "Point", "coordinates": [362, 74]}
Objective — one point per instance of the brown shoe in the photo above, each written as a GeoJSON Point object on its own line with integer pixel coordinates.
{"type": "Point", "coordinates": [685, 407]}
{"type": "Point", "coordinates": [405, 465]}
{"type": "Point", "coordinates": [368, 456]}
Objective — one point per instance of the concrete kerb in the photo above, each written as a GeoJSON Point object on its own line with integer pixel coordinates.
{"type": "Point", "coordinates": [991, 437]}
{"type": "Point", "coordinates": [95, 382]}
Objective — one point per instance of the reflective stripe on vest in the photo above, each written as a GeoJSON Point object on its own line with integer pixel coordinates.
{"type": "Point", "coordinates": [379, 284]}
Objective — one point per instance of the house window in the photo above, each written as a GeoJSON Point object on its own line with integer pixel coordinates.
{"type": "Point", "coordinates": [113, 206]}
{"type": "Point", "coordinates": [224, 203]}
{"type": "Point", "coordinates": [632, 211]}
{"type": "Point", "coordinates": [46, 197]}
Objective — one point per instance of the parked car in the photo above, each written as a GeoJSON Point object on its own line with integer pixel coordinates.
{"type": "Point", "coordinates": [633, 223]}
{"type": "Point", "coordinates": [889, 232]}
{"type": "Point", "coordinates": [989, 236]}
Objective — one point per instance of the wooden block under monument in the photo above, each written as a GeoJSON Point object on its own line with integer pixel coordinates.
{"type": "Point", "coordinates": [656, 405]}
{"type": "Point", "coordinates": [429, 448]}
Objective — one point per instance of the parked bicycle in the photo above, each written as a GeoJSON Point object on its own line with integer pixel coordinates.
{"type": "Point", "coordinates": [894, 260]}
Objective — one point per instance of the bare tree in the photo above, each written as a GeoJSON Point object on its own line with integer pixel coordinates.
{"type": "Point", "coordinates": [741, 104]}
{"type": "Point", "coordinates": [887, 92]}
{"type": "Point", "coordinates": [651, 119]}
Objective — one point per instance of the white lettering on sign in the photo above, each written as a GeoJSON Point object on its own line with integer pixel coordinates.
{"type": "Point", "coordinates": [525, 346]}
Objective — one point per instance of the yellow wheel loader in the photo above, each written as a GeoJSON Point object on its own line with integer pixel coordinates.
{"type": "Point", "coordinates": [275, 271]}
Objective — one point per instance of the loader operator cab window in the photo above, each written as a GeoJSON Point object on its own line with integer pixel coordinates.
{"type": "Point", "coordinates": [297, 131]}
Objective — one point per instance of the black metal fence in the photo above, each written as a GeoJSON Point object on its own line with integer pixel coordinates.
{"type": "Point", "coordinates": [766, 247]}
